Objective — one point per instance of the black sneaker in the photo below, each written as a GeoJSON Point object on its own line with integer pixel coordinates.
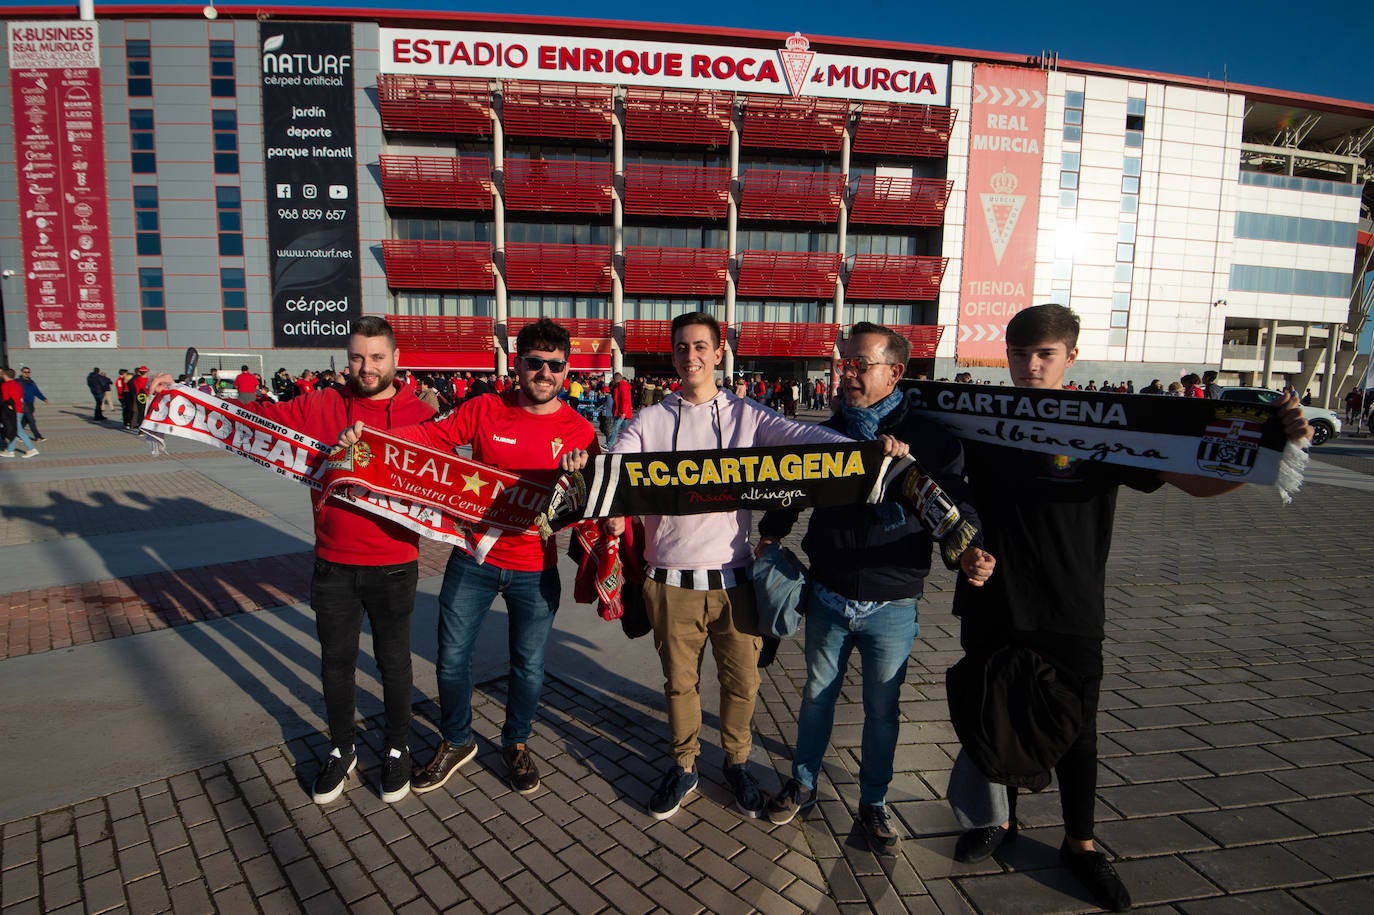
{"type": "Point", "coordinates": [677, 784]}
{"type": "Point", "coordinates": [745, 788]}
{"type": "Point", "coordinates": [329, 784]}
{"type": "Point", "coordinates": [1095, 872]}
{"type": "Point", "coordinates": [395, 775]}
{"type": "Point", "coordinates": [790, 801]}
{"type": "Point", "coordinates": [877, 827]}
{"type": "Point", "coordinates": [980, 844]}
{"type": "Point", "coordinates": [446, 761]}
{"type": "Point", "coordinates": [521, 771]}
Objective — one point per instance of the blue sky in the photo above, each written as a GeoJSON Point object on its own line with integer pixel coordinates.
{"type": "Point", "coordinates": [1277, 44]}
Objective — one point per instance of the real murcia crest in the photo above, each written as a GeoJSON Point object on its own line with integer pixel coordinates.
{"type": "Point", "coordinates": [556, 446]}
{"type": "Point", "coordinates": [1001, 209]}
{"type": "Point", "coordinates": [797, 58]}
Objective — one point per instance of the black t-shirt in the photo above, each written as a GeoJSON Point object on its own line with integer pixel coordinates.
{"type": "Point", "coordinates": [1048, 521]}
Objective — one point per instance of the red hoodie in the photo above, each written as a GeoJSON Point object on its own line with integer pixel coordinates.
{"type": "Point", "coordinates": [343, 533]}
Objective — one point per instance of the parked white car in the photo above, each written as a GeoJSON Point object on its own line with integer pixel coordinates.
{"type": "Point", "coordinates": [1325, 424]}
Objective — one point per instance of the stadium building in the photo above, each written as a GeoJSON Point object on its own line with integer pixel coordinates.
{"type": "Point", "coordinates": [246, 180]}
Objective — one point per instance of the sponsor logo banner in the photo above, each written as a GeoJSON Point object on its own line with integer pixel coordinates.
{"type": "Point", "coordinates": [311, 176]}
{"type": "Point", "coordinates": [1006, 129]}
{"type": "Point", "coordinates": [59, 143]}
{"type": "Point", "coordinates": [791, 69]}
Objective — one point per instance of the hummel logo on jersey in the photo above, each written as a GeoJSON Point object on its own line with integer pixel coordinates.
{"type": "Point", "coordinates": [503, 439]}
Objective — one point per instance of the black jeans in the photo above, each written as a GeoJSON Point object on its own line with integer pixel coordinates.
{"type": "Point", "coordinates": [340, 595]}
{"type": "Point", "coordinates": [30, 422]}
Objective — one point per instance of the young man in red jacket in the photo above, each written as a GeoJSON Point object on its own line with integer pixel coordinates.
{"type": "Point", "coordinates": [526, 430]}
{"type": "Point", "coordinates": [363, 564]}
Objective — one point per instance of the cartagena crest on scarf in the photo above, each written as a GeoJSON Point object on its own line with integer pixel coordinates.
{"type": "Point", "coordinates": [1230, 444]}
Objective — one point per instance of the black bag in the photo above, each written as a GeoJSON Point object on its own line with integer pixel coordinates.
{"type": "Point", "coordinates": [1015, 714]}
{"type": "Point", "coordinates": [9, 421]}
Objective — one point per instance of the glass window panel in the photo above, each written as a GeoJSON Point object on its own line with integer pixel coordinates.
{"type": "Point", "coordinates": [228, 196]}
{"type": "Point", "coordinates": [140, 119]}
{"type": "Point", "coordinates": [1125, 232]}
{"type": "Point", "coordinates": [1121, 301]}
{"type": "Point", "coordinates": [1130, 203]}
{"type": "Point", "coordinates": [1125, 253]}
{"type": "Point", "coordinates": [235, 320]}
{"type": "Point", "coordinates": [1073, 116]}
{"type": "Point", "coordinates": [231, 277]}
{"type": "Point", "coordinates": [141, 142]}
{"type": "Point", "coordinates": [224, 119]}
{"type": "Point", "coordinates": [1071, 160]}
{"type": "Point", "coordinates": [148, 244]}
{"type": "Point", "coordinates": [1123, 273]}
{"type": "Point", "coordinates": [1130, 185]}
{"type": "Point", "coordinates": [231, 245]}
{"type": "Point", "coordinates": [1119, 318]}
{"type": "Point", "coordinates": [143, 163]}
{"type": "Point", "coordinates": [1068, 180]}
{"type": "Point", "coordinates": [1135, 122]}
{"type": "Point", "coordinates": [226, 163]}
{"type": "Point", "coordinates": [1134, 138]}
{"type": "Point", "coordinates": [1135, 106]}
{"type": "Point", "coordinates": [1068, 199]}
{"type": "Point", "coordinates": [154, 320]}
{"type": "Point", "coordinates": [1073, 99]}
{"type": "Point", "coordinates": [1073, 134]}
{"type": "Point", "coordinates": [1131, 166]}
{"type": "Point", "coordinates": [1116, 338]}
{"type": "Point", "coordinates": [145, 196]}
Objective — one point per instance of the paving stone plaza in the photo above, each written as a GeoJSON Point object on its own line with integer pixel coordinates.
{"type": "Point", "coordinates": [162, 715]}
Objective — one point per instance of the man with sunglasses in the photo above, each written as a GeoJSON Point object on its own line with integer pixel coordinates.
{"type": "Point", "coordinates": [525, 430]}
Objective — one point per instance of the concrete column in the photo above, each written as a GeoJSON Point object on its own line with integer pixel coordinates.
{"type": "Point", "coordinates": [1333, 340]}
{"type": "Point", "coordinates": [617, 229]}
{"type": "Point", "coordinates": [498, 199]}
{"type": "Point", "coordinates": [732, 238]}
{"type": "Point", "coordinates": [1271, 333]}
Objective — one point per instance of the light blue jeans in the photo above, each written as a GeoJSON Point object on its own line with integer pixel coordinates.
{"type": "Point", "coordinates": [884, 640]}
{"type": "Point", "coordinates": [976, 802]}
{"type": "Point", "coordinates": [468, 591]}
{"type": "Point", "coordinates": [21, 437]}
{"type": "Point", "coordinates": [617, 423]}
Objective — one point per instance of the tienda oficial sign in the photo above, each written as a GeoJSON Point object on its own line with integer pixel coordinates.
{"type": "Point", "coordinates": [790, 69]}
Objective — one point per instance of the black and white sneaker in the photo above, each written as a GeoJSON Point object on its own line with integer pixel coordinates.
{"type": "Point", "coordinates": [329, 784]}
{"type": "Point", "coordinates": [876, 825]}
{"type": "Point", "coordinates": [790, 801]}
{"type": "Point", "coordinates": [395, 775]}
{"type": "Point", "coordinates": [677, 783]}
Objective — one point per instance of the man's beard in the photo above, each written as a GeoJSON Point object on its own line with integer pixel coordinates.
{"type": "Point", "coordinates": [537, 396]}
{"type": "Point", "coordinates": [383, 382]}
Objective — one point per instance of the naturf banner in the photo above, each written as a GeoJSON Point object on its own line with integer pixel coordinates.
{"type": "Point", "coordinates": [1244, 443]}
{"type": "Point", "coordinates": [1006, 129]}
{"type": "Point", "coordinates": [311, 176]}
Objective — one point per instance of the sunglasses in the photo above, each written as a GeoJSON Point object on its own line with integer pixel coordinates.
{"type": "Point", "coordinates": [534, 364]}
{"type": "Point", "coordinates": [858, 366]}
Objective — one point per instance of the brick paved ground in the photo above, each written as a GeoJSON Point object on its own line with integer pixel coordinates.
{"type": "Point", "coordinates": [1237, 766]}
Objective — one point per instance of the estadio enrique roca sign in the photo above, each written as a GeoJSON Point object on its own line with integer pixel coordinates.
{"type": "Point", "coordinates": [792, 69]}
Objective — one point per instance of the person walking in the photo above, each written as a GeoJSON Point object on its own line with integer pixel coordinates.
{"type": "Point", "coordinates": [99, 385]}
{"type": "Point", "coordinates": [31, 395]}
{"type": "Point", "coordinates": [12, 416]}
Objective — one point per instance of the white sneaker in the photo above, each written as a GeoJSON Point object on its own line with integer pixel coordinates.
{"type": "Point", "coordinates": [32, 452]}
{"type": "Point", "coordinates": [6, 454]}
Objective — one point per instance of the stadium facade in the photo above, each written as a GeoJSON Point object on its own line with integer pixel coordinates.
{"type": "Point", "coordinates": [248, 181]}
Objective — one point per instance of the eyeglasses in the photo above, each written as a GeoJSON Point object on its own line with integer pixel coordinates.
{"type": "Point", "coordinates": [534, 364]}
{"type": "Point", "coordinates": [857, 366]}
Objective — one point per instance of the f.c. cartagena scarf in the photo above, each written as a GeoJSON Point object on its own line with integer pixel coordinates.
{"type": "Point", "coordinates": [1241, 442]}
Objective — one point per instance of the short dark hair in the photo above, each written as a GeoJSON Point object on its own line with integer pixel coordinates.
{"type": "Point", "coordinates": [243, 368]}
{"type": "Point", "coordinates": [897, 346]}
{"type": "Point", "coordinates": [545, 334]}
{"type": "Point", "coordinates": [371, 326]}
{"type": "Point", "coordinates": [698, 317]}
{"type": "Point", "coordinates": [1209, 376]}
{"type": "Point", "coordinates": [1043, 323]}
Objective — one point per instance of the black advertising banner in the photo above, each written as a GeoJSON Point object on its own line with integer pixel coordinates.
{"type": "Point", "coordinates": [311, 175]}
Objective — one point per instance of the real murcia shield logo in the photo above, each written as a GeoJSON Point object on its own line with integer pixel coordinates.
{"type": "Point", "coordinates": [796, 62]}
{"type": "Point", "coordinates": [556, 445]}
{"type": "Point", "coordinates": [1001, 209]}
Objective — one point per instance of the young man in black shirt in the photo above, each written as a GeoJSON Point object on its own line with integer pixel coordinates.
{"type": "Point", "coordinates": [1048, 520]}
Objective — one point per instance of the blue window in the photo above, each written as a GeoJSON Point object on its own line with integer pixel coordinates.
{"type": "Point", "coordinates": [224, 125]}
{"type": "Point", "coordinates": [138, 64]}
{"type": "Point", "coordinates": [1135, 106]}
{"type": "Point", "coordinates": [143, 148]}
{"type": "Point", "coordinates": [1296, 230]}
{"type": "Point", "coordinates": [229, 215]}
{"type": "Point", "coordinates": [1286, 281]}
{"type": "Point", "coordinates": [222, 83]}
{"type": "Point", "coordinates": [1131, 166]}
{"type": "Point", "coordinates": [234, 298]}
{"type": "Point", "coordinates": [152, 303]}
{"type": "Point", "coordinates": [147, 223]}
{"type": "Point", "coordinates": [1294, 183]}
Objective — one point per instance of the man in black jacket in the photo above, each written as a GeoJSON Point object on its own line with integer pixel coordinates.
{"type": "Point", "coordinates": [100, 386]}
{"type": "Point", "coordinates": [868, 568]}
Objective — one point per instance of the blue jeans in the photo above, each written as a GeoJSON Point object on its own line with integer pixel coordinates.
{"type": "Point", "coordinates": [617, 423]}
{"type": "Point", "coordinates": [884, 640]}
{"type": "Point", "coordinates": [468, 592]}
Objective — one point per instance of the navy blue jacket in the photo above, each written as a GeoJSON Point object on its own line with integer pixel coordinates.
{"type": "Point", "coordinates": [850, 550]}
